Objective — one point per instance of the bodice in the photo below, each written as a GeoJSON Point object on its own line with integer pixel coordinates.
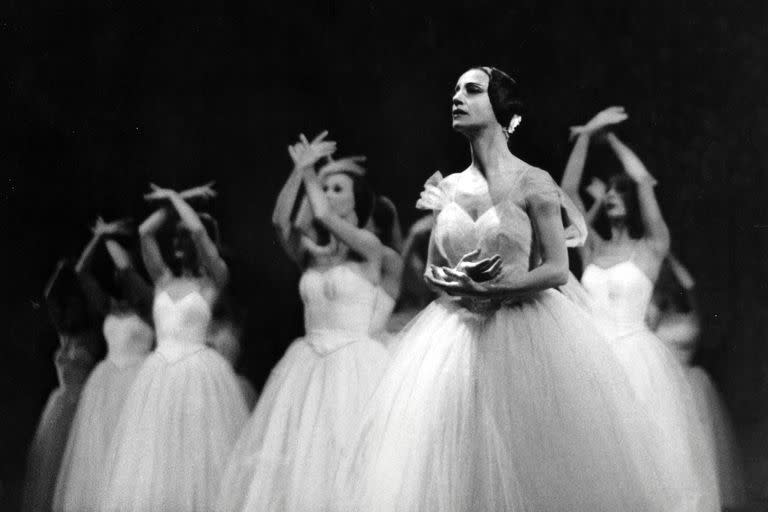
{"type": "Point", "coordinates": [129, 338]}
{"type": "Point", "coordinates": [621, 294]}
{"type": "Point", "coordinates": [338, 306]}
{"type": "Point", "coordinates": [467, 219]}
{"type": "Point", "coordinates": [181, 325]}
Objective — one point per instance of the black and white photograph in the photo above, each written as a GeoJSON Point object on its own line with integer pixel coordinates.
{"type": "Point", "coordinates": [342, 256]}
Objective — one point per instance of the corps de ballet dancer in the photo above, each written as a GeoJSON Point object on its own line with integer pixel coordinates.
{"type": "Point", "coordinates": [286, 457]}
{"type": "Point", "coordinates": [619, 275]}
{"type": "Point", "coordinates": [125, 307]}
{"type": "Point", "coordinates": [185, 407]}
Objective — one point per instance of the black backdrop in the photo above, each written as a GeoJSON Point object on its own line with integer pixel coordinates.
{"type": "Point", "coordinates": [98, 102]}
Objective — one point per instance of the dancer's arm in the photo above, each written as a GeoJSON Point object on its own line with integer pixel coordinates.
{"type": "Point", "coordinates": [98, 300]}
{"type": "Point", "coordinates": [138, 292]}
{"type": "Point", "coordinates": [150, 248]}
{"type": "Point", "coordinates": [656, 230]}
{"type": "Point", "coordinates": [362, 241]}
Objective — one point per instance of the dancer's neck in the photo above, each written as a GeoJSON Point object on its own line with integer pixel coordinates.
{"type": "Point", "coordinates": [491, 156]}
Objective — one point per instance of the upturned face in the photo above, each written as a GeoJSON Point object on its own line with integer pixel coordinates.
{"type": "Point", "coordinates": [471, 105]}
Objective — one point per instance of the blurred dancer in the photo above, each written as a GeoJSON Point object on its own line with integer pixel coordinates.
{"type": "Point", "coordinates": [185, 408]}
{"type": "Point", "coordinates": [673, 315]}
{"type": "Point", "coordinates": [129, 337]}
{"type": "Point", "coordinates": [80, 348]}
{"type": "Point", "coordinates": [288, 452]}
{"type": "Point", "coordinates": [619, 274]}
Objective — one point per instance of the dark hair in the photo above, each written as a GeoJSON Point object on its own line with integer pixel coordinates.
{"type": "Point", "coordinates": [66, 301]}
{"type": "Point", "coordinates": [627, 189]}
{"type": "Point", "coordinates": [364, 197]}
{"type": "Point", "coordinates": [212, 230]}
{"type": "Point", "coordinates": [387, 223]}
{"type": "Point", "coordinates": [504, 94]}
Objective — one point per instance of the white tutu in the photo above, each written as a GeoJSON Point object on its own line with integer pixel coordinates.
{"type": "Point", "coordinates": [525, 410]}
{"type": "Point", "coordinates": [621, 295]}
{"type": "Point", "coordinates": [289, 451]}
{"type": "Point", "coordinates": [80, 481]}
{"type": "Point", "coordinates": [180, 419]}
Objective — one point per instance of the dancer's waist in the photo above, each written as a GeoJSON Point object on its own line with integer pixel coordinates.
{"type": "Point", "coordinates": [174, 349]}
{"type": "Point", "coordinates": [324, 340]}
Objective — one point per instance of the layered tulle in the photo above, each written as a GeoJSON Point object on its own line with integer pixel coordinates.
{"type": "Point", "coordinates": [665, 394]}
{"type": "Point", "coordinates": [524, 409]}
{"type": "Point", "coordinates": [81, 477]}
{"type": "Point", "coordinates": [288, 453]}
{"type": "Point", "coordinates": [176, 430]}
{"type": "Point", "coordinates": [47, 449]}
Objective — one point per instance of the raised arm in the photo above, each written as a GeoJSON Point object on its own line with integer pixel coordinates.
{"type": "Point", "coordinates": [150, 248]}
{"type": "Point", "coordinates": [360, 240]}
{"type": "Point", "coordinates": [289, 218]}
{"type": "Point", "coordinates": [574, 170]}
{"type": "Point", "coordinates": [136, 290]}
{"type": "Point", "coordinates": [207, 252]}
{"type": "Point", "coordinates": [656, 230]}
{"type": "Point", "coordinates": [98, 300]}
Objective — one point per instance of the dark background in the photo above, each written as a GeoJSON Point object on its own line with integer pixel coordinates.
{"type": "Point", "coordinates": [98, 102]}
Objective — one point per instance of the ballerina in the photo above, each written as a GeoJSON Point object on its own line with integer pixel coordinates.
{"type": "Point", "coordinates": [288, 452]}
{"type": "Point", "coordinates": [502, 394]}
{"type": "Point", "coordinates": [185, 408]}
{"type": "Point", "coordinates": [129, 339]}
{"type": "Point", "coordinates": [80, 348]}
{"type": "Point", "coordinates": [673, 316]}
{"type": "Point", "coordinates": [619, 275]}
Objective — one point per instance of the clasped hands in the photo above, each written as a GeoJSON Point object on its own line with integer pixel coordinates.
{"type": "Point", "coordinates": [472, 276]}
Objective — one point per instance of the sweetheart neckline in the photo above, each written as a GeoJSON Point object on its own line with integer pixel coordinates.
{"type": "Point", "coordinates": [176, 302]}
{"type": "Point", "coordinates": [629, 261]}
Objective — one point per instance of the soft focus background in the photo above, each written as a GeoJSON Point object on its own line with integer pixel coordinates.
{"type": "Point", "coordinates": [98, 101]}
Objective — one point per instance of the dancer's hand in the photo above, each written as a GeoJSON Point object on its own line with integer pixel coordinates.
{"type": "Point", "coordinates": [597, 189]}
{"type": "Point", "coordinates": [306, 154]}
{"type": "Point", "coordinates": [609, 116]}
{"type": "Point", "coordinates": [159, 193]}
{"type": "Point", "coordinates": [203, 192]}
{"type": "Point", "coordinates": [468, 277]}
{"type": "Point", "coordinates": [114, 228]}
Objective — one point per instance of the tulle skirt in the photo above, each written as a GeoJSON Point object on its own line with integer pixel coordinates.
{"type": "Point", "coordinates": [47, 449]}
{"type": "Point", "coordinates": [666, 396]}
{"type": "Point", "coordinates": [176, 430]}
{"type": "Point", "coordinates": [523, 409]}
{"type": "Point", "coordinates": [287, 455]}
{"type": "Point", "coordinates": [714, 418]}
{"type": "Point", "coordinates": [80, 481]}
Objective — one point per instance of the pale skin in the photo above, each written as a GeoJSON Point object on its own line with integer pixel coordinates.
{"type": "Point", "coordinates": [649, 251]}
{"type": "Point", "coordinates": [486, 277]}
{"type": "Point", "coordinates": [212, 274]}
{"type": "Point", "coordinates": [331, 204]}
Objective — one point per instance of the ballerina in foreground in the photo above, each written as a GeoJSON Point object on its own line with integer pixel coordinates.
{"type": "Point", "coordinates": [502, 395]}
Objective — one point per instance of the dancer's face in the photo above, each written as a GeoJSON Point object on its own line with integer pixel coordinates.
{"type": "Point", "coordinates": [615, 205]}
{"type": "Point", "coordinates": [339, 189]}
{"type": "Point", "coordinates": [183, 248]}
{"type": "Point", "coordinates": [471, 106]}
